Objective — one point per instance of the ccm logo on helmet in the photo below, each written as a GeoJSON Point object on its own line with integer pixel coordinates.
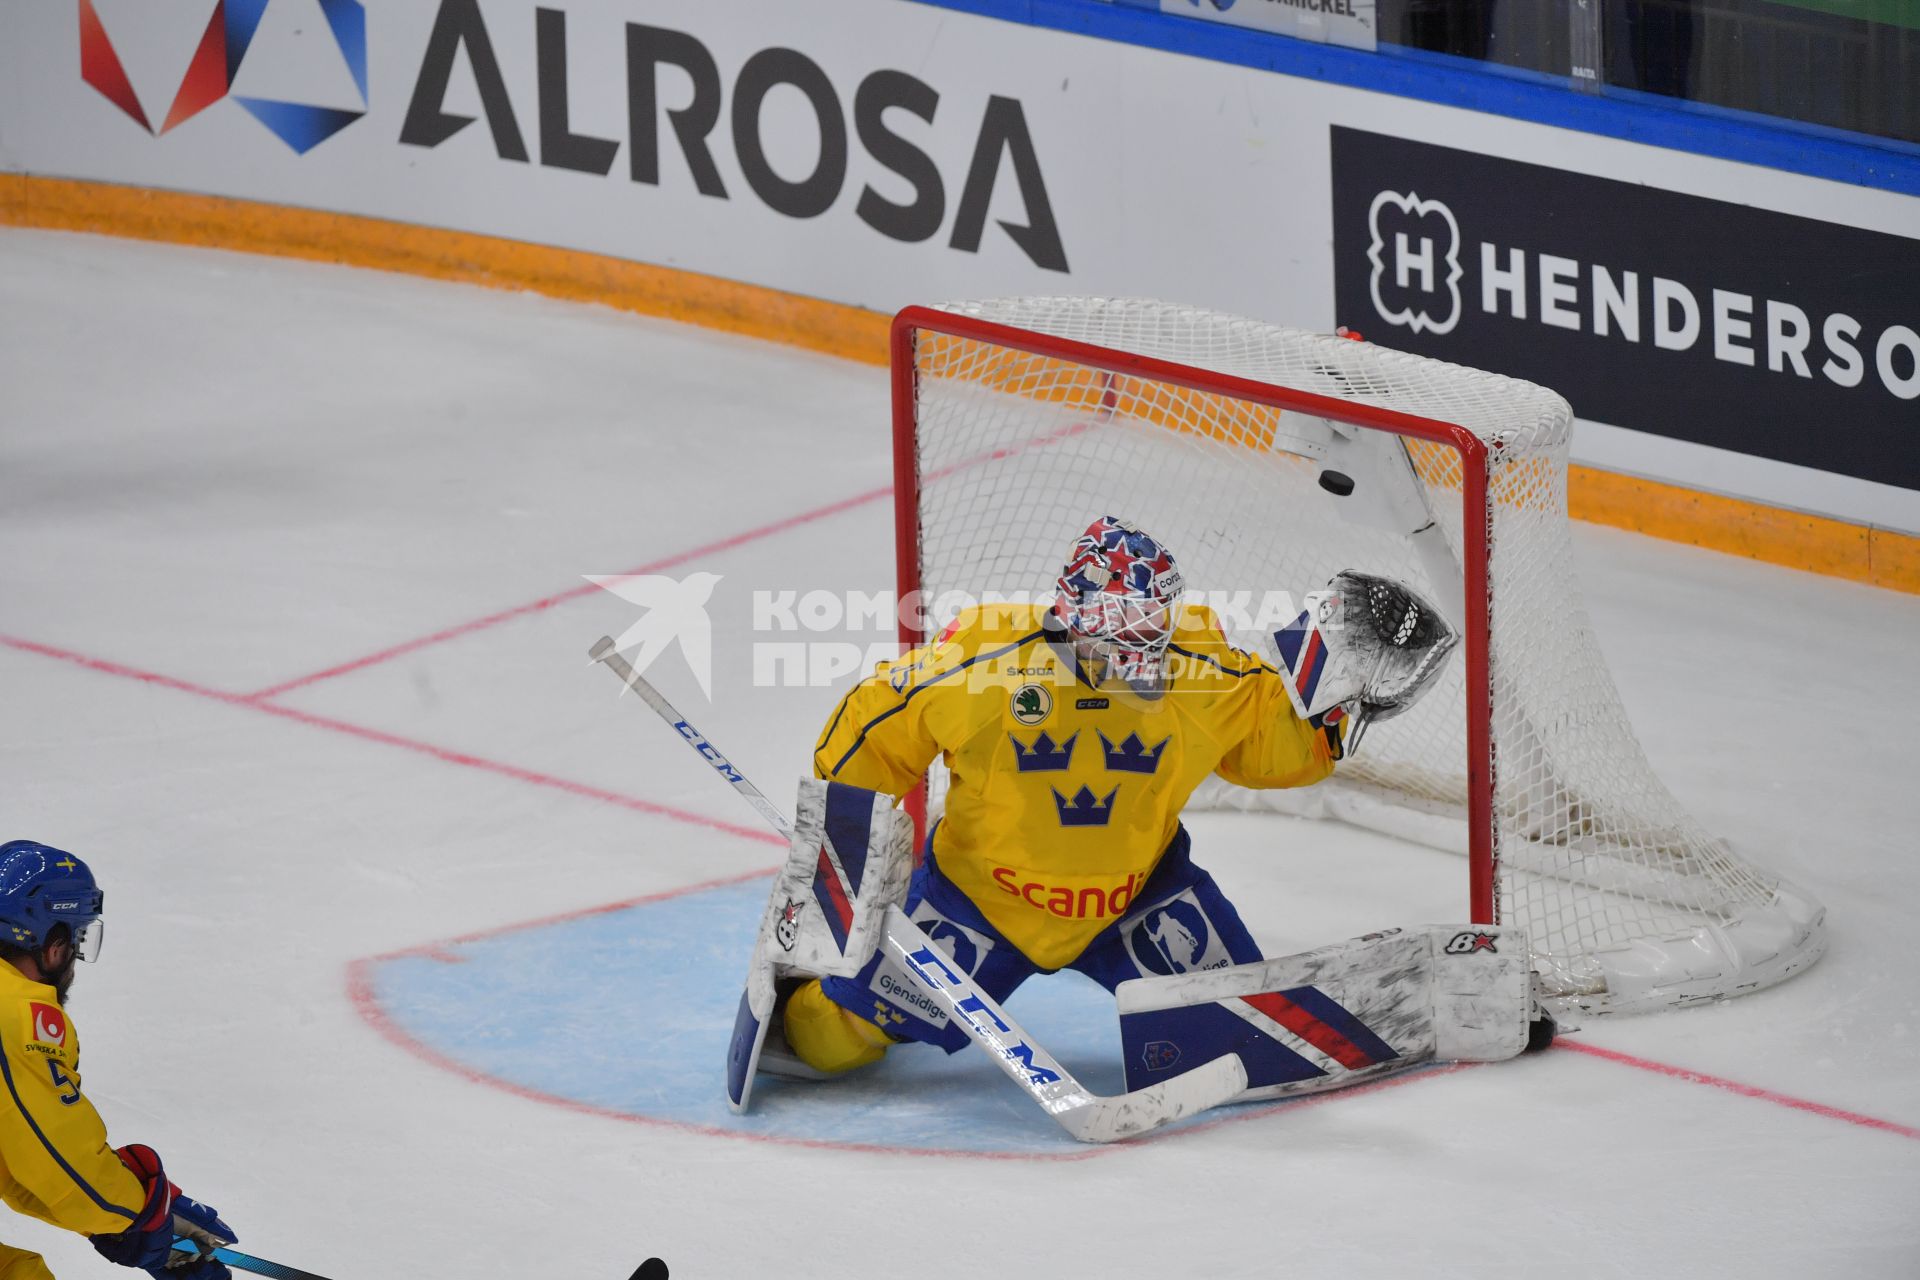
{"type": "Point", "coordinates": [1091, 902]}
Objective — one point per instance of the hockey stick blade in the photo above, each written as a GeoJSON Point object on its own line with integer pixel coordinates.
{"type": "Point", "coordinates": [247, 1262]}
{"type": "Point", "coordinates": [1087, 1116]}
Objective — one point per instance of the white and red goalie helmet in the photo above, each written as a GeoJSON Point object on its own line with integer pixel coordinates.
{"type": "Point", "coordinates": [1117, 597]}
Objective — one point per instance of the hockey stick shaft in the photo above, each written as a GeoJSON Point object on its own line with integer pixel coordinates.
{"type": "Point", "coordinates": [247, 1262]}
{"type": "Point", "coordinates": [603, 651]}
{"type": "Point", "coordinates": [1088, 1116]}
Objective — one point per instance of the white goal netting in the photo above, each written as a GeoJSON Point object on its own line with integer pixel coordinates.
{"type": "Point", "coordinates": [1628, 902]}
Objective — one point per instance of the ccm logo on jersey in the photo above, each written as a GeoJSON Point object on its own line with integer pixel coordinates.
{"type": "Point", "coordinates": [1067, 902]}
{"type": "Point", "coordinates": [49, 1024]}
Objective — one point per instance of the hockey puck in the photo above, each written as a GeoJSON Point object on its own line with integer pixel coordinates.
{"type": "Point", "coordinates": [1337, 483]}
{"type": "Point", "coordinates": [651, 1269]}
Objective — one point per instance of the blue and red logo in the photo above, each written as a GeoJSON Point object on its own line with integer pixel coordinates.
{"type": "Point", "coordinates": [1304, 654]}
{"type": "Point", "coordinates": [216, 61]}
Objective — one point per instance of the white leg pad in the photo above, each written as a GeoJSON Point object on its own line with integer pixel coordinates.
{"type": "Point", "coordinates": [1339, 1014]}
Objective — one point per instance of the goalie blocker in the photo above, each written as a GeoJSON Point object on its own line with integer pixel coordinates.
{"type": "Point", "coordinates": [1341, 1014]}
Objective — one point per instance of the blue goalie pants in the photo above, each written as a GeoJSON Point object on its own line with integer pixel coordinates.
{"type": "Point", "coordinates": [1180, 923]}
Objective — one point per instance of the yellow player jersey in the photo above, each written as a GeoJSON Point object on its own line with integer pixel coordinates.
{"type": "Point", "coordinates": [54, 1159]}
{"type": "Point", "coordinates": [1063, 794]}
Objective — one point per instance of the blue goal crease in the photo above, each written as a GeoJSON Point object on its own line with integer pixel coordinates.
{"type": "Point", "coordinates": [646, 1035]}
{"type": "Point", "coordinates": [1789, 146]}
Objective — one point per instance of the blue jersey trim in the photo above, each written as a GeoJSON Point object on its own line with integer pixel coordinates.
{"type": "Point", "coordinates": [899, 706]}
{"type": "Point", "coordinates": [838, 713]}
{"type": "Point", "coordinates": [1700, 128]}
{"type": "Point", "coordinates": [6, 1069]}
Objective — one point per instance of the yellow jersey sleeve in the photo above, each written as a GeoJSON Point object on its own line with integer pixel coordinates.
{"type": "Point", "coordinates": [1268, 745]}
{"type": "Point", "coordinates": [923, 705]}
{"type": "Point", "coordinates": [58, 1166]}
{"type": "Point", "coordinates": [878, 737]}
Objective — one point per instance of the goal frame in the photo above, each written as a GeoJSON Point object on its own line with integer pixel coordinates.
{"type": "Point", "coordinates": [1476, 628]}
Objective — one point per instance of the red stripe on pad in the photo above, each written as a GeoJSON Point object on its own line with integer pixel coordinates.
{"type": "Point", "coordinates": [1308, 673]}
{"type": "Point", "coordinates": [825, 872]}
{"type": "Point", "coordinates": [1311, 1029]}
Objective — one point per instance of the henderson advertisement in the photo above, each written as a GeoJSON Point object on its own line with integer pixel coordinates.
{"type": "Point", "coordinates": [1710, 322]}
{"type": "Point", "coordinates": [1723, 326]}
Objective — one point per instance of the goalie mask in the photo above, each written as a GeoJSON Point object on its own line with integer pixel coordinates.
{"type": "Point", "coordinates": [1117, 597]}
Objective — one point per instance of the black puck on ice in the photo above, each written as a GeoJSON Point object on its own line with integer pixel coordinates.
{"type": "Point", "coordinates": [1337, 483]}
{"type": "Point", "coordinates": [651, 1269]}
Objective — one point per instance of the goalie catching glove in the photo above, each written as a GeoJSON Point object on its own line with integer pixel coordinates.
{"type": "Point", "coordinates": [1366, 648]}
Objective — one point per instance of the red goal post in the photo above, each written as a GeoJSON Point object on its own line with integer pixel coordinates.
{"type": "Point", "coordinates": [1016, 422]}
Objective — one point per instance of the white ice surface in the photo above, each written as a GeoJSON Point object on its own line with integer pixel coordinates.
{"type": "Point", "coordinates": [233, 472]}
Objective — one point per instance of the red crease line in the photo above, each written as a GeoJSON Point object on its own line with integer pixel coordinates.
{"type": "Point", "coordinates": [360, 990]}
{"type": "Point", "coordinates": [440, 948]}
{"type": "Point", "coordinates": [443, 754]}
{"type": "Point", "coordinates": [711, 548]}
{"type": "Point", "coordinates": [117, 669]}
{"type": "Point", "coordinates": [1744, 1090]}
{"type": "Point", "coordinates": [366, 1001]}
{"type": "Point", "coordinates": [563, 597]}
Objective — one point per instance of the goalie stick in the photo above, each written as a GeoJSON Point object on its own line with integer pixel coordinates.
{"type": "Point", "coordinates": [1087, 1116]}
{"type": "Point", "coordinates": [242, 1261]}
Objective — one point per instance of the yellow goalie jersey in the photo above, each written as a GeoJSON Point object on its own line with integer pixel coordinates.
{"type": "Point", "coordinates": [54, 1159]}
{"type": "Point", "coordinates": [1063, 795]}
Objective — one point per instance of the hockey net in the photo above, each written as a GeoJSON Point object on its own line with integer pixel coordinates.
{"type": "Point", "coordinates": [1018, 421]}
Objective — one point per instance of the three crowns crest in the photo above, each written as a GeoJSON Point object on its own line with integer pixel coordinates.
{"type": "Point", "coordinates": [1133, 755]}
{"type": "Point", "coordinates": [1043, 756]}
{"type": "Point", "coordinates": [1083, 808]}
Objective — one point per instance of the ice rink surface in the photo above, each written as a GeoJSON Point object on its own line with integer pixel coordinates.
{"type": "Point", "coordinates": [292, 636]}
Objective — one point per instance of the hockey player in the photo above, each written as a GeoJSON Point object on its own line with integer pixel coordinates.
{"type": "Point", "coordinates": [55, 1163]}
{"type": "Point", "coordinates": [1074, 734]}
